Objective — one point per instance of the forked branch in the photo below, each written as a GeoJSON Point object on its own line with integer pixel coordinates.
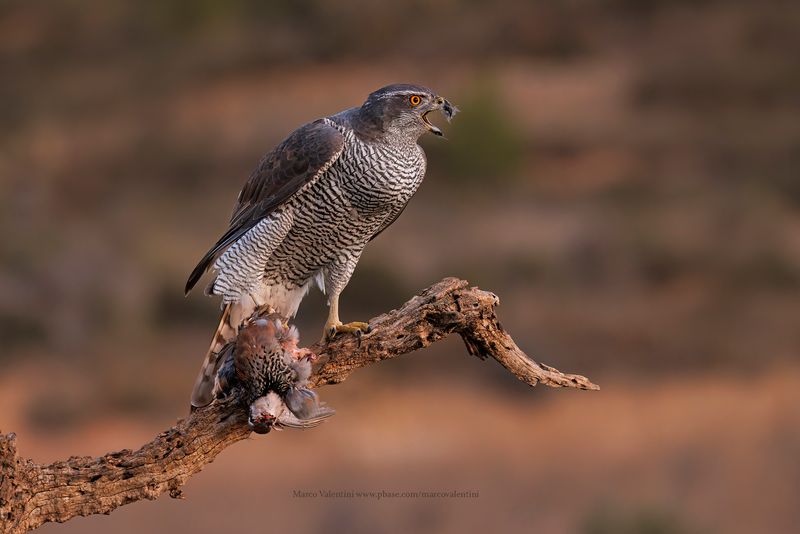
{"type": "Point", "coordinates": [32, 494]}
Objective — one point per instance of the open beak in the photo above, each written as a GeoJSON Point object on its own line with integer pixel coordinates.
{"type": "Point", "coordinates": [447, 109]}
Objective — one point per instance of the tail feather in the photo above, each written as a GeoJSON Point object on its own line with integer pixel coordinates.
{"type": "Point", "coordinates": [203, 392]}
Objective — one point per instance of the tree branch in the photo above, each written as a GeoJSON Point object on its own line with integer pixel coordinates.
{"type": "Point", "coordinates": [33, 494]}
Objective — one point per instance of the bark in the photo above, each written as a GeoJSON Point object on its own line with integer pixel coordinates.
{"type": "Point", "coordinates": [32, 494]}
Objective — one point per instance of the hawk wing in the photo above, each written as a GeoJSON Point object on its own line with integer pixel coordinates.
{"type": "Point", "coordinates": [295, 163]}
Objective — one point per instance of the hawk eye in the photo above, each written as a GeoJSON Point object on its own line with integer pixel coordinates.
{"type": "Point", "coordinates": [415, 100]}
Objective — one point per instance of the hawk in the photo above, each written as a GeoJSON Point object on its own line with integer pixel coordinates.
{"type": "Point", "coordinates": [310, 207]}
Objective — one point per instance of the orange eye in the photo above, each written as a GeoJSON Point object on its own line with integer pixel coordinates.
{"type": "Point", "coordinates": [415, 100]}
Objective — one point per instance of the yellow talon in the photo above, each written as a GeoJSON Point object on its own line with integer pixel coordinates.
{"type": "Point", "coordinates": [334, 326]}
{"type": "Point", "coordinates": [356, 327]}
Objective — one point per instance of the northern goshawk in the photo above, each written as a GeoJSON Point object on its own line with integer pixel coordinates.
{"type": "Point", "coordinates": [309, 209]}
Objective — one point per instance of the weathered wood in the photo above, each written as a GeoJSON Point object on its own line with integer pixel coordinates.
{"type": "Point", "coordinates": [33, 494]}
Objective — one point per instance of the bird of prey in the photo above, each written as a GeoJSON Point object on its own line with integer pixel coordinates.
{"type": "Point", "coordinates": [310, 207]}
{"type": "Point", "coordinates": [271, 374]}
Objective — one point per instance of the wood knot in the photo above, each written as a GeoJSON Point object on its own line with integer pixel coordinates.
{"type": "Point", "coordinates": [175, 490]}
{"type": "Point", "coordinates": [444, 318]}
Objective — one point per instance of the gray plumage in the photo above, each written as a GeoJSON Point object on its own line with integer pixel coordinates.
{"type": "Point", "coordinates": [311, 206]}
{"type": "Point", "coordinates": [271, 376]}
{"type": "Point", "coordinates": [270, 411]}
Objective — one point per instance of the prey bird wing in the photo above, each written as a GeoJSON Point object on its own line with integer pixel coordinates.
{"type": "Point", "coordinates": [292, 165]}
{"type": "Point", "coordinates": [290, 420]}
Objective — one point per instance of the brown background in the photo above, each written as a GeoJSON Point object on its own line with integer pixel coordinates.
{"type": "Point", "coordinates": [624, 174]}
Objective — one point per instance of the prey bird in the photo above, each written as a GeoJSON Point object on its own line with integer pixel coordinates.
{"type": "Point", "coordinates": [310, 207]}
{"type": "Point", "coordinates": [270, 374]}
{"type": "Point", "coordinates": [270, 411]}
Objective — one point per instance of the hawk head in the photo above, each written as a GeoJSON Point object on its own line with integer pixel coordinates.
{"type": "Point", "coordinates": [402, 110]}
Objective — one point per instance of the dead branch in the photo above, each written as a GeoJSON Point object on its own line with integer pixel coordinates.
{"type": "Point", "coordinates": [33, 494]}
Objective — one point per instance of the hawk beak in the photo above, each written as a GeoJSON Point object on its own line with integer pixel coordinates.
{"type": "Point", "coordinates": [431, 128]}
{"type": "Point", "coordinates": [447, 109]}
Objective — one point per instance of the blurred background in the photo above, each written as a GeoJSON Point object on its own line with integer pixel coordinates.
{"type": "Point", "coordinates": [625, 175]}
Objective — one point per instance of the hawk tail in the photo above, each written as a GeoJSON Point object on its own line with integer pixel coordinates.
{"type": "Point", "coordinates": [203, 392]}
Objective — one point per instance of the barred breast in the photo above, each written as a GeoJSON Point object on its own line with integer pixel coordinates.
{"type": "Point", "coordinates": [332, 221]}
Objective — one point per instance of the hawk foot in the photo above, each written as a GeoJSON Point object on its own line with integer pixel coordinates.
{"type": "Point", "coordinates": [357, 328]}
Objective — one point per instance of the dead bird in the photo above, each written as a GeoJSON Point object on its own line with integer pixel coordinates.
{"type": "Point", "coordinates": [271, 374]}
